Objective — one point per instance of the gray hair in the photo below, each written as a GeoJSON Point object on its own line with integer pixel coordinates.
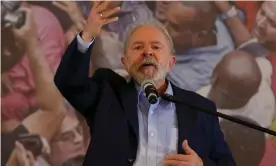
{"type": "Point", "coordinates": [154, 23]}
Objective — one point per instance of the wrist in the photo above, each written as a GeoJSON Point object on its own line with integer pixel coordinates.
{"type": "Point", "coordinates": [229, 13]}
{"type": "Point", "coordinates": [86, 36]}
{"type": "Point", "coordinates": [225, 8]}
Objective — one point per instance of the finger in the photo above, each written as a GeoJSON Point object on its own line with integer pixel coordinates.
{"type": "Point", "coordinates": [30, 158]}
{"type": "Point", "coordinates": [61, 6]}
{"type": "Point", "coordinates": [28, 13]}
{"type": "Point", "coordinates": [46, 148]}
{"type": "Point", "coordinates": [102, 6]}
{"type": "Point", "coordinates": [21, 152]}
{"type": "Point", "coordinates": [20, 147]}
{"type": "Point", "coordinates": [174, 163]}
{"type": "Point", "coordinates": [110, 20]}
{"type": "Point", "coordinates": [110, 12]}
{"type": "Point", "coordinates": [96, 4]}
{"type": "Point", "coordinates": [179, 157]}
{"type": "Point", "coordinates": [187, 148]}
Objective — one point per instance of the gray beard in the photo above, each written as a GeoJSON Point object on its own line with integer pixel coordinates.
{"type": "Point", "coordinates": [160, 75]}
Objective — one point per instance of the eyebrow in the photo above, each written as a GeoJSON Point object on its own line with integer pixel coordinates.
{"type": "Point", "coordinates": [152, 42]}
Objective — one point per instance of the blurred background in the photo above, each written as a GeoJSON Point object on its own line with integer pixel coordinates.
{"type": "Point", "coordinates": [232, 61]}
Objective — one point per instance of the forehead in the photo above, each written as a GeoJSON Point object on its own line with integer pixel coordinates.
{"type": "Point", "coordinates": [180, 13]}
{"type": "Point", "coordinates": [269, 8]}
{"type": "Point", "coordinates": [69, 123]}
{"type": "Point", "coordinates": [147, 34]}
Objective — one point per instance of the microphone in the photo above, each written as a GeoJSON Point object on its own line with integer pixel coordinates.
{"type": "Point", "coordinates": [171, 98]}
{"type": "Point", "coordinates": [150, 91]}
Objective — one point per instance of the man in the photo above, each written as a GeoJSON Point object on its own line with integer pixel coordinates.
{"type": "Point", "coordinates": [160, 10]}
{"type": "Point", "coordinates": [125, 129]}
{"type": "Point", "coordinates": [69, 141]}
{"type": "Point", "coordinates": [265, 29]}
{"type": "Point", "coordinates": [200, 39]}
{"type": "Point", "coordinates": [241, 86]}
{"type": "Point", "coordinates": [51, 109]}
{"type": "Point", "coordinates": [18, 83]}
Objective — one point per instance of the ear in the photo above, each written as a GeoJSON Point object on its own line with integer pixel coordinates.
{"type": "Point", "coordinates": [172, 61]}
{"type": "Point", "coordinates": [123, 60]}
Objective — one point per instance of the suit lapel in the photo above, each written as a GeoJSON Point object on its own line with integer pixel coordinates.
{"type": "Point", "coordinates": [186, 117]}
{"type": "Point", "coordinates": [129, 101]}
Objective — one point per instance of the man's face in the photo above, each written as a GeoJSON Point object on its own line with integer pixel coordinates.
{"type": "Point", "coordinates": [180, 25]}
{"type": "Point", "coordinates": [148, 55]}
{"type": "Point", "coordinates": [69, 142]}
{"type": "Point", "coordinates": [265, 28]}
{"type": "Point", "coordinates": [161, 8]}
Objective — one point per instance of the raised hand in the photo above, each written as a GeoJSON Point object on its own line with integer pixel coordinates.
{"type": "Point", "coordinates": [223, 6]}
{"type": "Point", "coordinates": [74, 12]}
{"type": "Point", "coordinates": [28, 32]}
{"type": "Point", "coordinates": [99, 16]}
{"type": "Point", "coordinates": [191, 159]}
{"type": "Point", "coordinates": [24, 157]}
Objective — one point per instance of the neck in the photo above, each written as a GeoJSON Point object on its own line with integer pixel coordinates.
{"type": "Point", "coordinates": [161, 86]}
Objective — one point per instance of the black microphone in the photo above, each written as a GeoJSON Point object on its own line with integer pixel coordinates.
{"type": "Point", "coordinates": [150, 91]}
{"type": "Point", "coordinates": [171, 98]}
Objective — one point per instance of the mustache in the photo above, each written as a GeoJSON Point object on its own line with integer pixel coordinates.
{"type": "Point", "coordinates": [148, 61]}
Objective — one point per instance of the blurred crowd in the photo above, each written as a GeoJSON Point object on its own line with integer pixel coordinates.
{"type": "Point", "coordinates": [230, 60]}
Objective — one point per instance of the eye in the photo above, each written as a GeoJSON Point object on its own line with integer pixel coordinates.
{"type": "Point", "coordinates": [137, 47]}
{"type": "Point", "coordinates": [155, 47]}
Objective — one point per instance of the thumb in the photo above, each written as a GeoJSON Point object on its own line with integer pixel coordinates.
{"type": "Point", "coordinates": [187, 148]}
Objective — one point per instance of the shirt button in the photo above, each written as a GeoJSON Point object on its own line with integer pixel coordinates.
{"type": "Point", "coordinates": [152, 134]}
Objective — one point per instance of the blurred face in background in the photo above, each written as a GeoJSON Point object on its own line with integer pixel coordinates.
{"type": "Point", "coordinates": [191, 24]}
{"type": "Point", "coordinates": [148, 54]}
{"type": "Point", "coordinates": [161, 8]}
{"type": "Point", "coordinates": [69, 142]}
{"type": "Point", "coordinates": [179, 24]}
{"type": "Point", "coordinates": [265, 28]}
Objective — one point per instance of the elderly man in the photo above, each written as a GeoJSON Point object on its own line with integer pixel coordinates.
{"type": "Point", "coordinates": [125, 128]}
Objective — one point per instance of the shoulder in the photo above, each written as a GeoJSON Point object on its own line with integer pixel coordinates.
{"type": "Point", "coordinates": [201, 100]}
{"type": "Point", "coordinates": [109, 76]}
{"type": "Point", "coordinates": [46, 21]}
{"type": "Point", "coordinates": [265, 67]}
{"type": "Point", "coordinates": [41, 12]}
{"type": "Point", "coordinates": [196, 99]}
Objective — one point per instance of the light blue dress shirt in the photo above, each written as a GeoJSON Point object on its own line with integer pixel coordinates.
{"type": "Point", "coordinates": [158, 133]}
{"type": "Point", "coordinates": [157, 128]}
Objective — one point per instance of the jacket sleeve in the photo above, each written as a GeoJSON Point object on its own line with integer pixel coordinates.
{"type": "Point", "coordinates": [220, 152]}
{"type": "Point", "coordinates": [72, 79]}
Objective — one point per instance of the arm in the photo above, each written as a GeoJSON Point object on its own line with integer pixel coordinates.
{"type": "Point", "coordinates": [72, 76]}
{"type": "Point", "coordinates": [237, 28]}
{"type": "Point", "coordinates": [46, 121]}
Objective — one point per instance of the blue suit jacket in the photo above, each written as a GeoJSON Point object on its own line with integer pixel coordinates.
{"type": "Point", "coordinates": [108, 104]}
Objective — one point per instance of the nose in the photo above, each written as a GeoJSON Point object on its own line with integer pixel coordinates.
{"type": "Point", "coordinates": [147, 53]}
{"type": "Point", "coordinates": [78, 138]}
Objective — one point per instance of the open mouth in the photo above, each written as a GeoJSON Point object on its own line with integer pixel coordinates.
{"type": "Point", "coordinates": [147, 65]}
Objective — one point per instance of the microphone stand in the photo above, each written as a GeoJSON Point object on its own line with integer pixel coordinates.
{"type": "Point", "coordinates": [170, 98]}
